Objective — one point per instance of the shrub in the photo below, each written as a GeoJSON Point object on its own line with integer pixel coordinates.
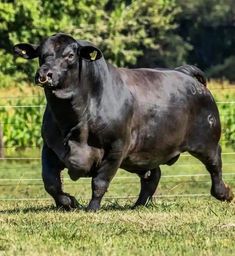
{"type": "Point", "coordinates": [227, 112]}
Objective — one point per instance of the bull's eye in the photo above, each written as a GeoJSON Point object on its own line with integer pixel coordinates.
{"type": "Point", "coordinates": [71, 56]}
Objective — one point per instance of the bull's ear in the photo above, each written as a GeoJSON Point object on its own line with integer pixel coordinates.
{"type": "Point", "coordinates": [26, 51]}
{"type": "Point", "coordinates": [90, 53]}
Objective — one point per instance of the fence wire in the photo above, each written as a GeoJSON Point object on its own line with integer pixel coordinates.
{"type": "Point", "coordinates": [44, 105]}
{"type": "Point", "coordinates": [126, 179]}
{"type": "Point", "coordinates": [38, 158]}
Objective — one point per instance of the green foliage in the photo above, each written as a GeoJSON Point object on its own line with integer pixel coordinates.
{"type": "Point", "coordinates": [227, 111]}
{"type": "Point", "coordinates": [149, 33]}
{"type": "Point", "coordinates": [21, 122]}
{"type": "Point", "coordinates": [21, 125]}
{"type": "Point", "coordinates": [120, 28]}
{"type": "Point", "coordinates": [134, 28]}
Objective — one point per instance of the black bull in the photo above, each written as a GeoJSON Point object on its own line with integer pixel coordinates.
{"type": "Point", "coordinates": [99, 118]}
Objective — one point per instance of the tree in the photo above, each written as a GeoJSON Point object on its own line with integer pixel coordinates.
{"type": "Point", "coordinates": [122, 29]}
{"type": "Point", "coordinates": [209, 26]}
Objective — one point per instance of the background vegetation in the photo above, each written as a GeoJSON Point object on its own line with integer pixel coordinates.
{"type": "Point", "coordinates": [150, 33]}
{"type": "Point", "coordinates": [21, 116]}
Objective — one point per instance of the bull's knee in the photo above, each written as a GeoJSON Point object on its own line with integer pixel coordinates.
{"type": "Point", "coordinates": [51, 189]}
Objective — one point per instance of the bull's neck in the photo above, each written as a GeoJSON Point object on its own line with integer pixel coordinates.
{"type": "Point", "coordinates": [96, 81]}
{"type": "Point", "coordinates": [66, 112]}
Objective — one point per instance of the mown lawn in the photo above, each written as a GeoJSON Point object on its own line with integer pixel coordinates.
{"type": "Point", "coordinates": [189, 225]}
{"type": "Point", "coordinates": [171, 227]}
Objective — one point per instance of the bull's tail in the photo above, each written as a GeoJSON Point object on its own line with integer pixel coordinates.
{"type": "Point", "coordinates": [193, 72]}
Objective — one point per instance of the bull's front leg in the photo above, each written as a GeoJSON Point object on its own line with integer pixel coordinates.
{"type": "Point", "coordinates": [51, 175]}
{"type": "Point", "coordinates": [103, 177]}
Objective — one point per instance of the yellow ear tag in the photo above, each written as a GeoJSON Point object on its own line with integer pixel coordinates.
{"type": "Point", "coordinates": [23, 52]}
{"type": "Point", "coordinates": [93, 55]}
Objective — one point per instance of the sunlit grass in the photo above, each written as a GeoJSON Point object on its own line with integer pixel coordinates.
{"type": "Point", "coordinates": [172, 227]}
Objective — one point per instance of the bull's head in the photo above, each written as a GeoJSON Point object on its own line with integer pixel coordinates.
{"type": "Point", "coordinates": [59, 58]}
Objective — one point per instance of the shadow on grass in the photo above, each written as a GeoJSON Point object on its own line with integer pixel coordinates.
{"type": "Point", "coordinates": [31, 209]}
{"type": "Point", "coordinates": [108, 206]}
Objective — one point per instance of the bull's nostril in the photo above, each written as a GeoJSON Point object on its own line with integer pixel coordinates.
{"type": "Point", "coordinates": [42, 80]}
{"type": "Point", "coordinates": [49, 74]}
{"type": "Point", "coordinates": [44, 77]}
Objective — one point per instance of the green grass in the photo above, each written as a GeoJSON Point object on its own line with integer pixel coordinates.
{"type": "Point", "coordinates": [169, 226]}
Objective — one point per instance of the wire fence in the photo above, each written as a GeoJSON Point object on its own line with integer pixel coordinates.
{"type": "Point", "coordinates": [44, 105]}
{"type": "Point", "coordinates": [38, 158]}
{"type": "Point", "coordinates": [11, 182]}
{"type": "Point", "coordinates": [16, 182]}
{"type": "Point", "coordinates": [121, 178]}
{"type": "Point", "coordinates": [214, 88]}
{"type": "Point", "coordinates": [178, 165]}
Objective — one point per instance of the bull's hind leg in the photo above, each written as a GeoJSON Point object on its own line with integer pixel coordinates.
{"type": "Point", "coordinates": [149, 183]}
{"type": "Point", "coordinates": [51, 170]}
{"type": "Point", "coordinates": [212, 160]}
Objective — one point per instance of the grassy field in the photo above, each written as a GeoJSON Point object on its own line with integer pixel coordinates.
{"type": "Point", "coordinates": [192, 223]}
{"type": "Point", "coordinates": [183, 218]}
{"type": "Point", "coordinates": [170, 227]}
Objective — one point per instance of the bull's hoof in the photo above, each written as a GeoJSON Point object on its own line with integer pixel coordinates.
{"type": "Point", "coordinates": [93, 206]}
{"type": "Point", "coordinates": [138, 204]}
{"type": "Point", "coordinates": [67, 202]}
{"type": "Point", "coordinates": [224, 193]}
{"type": "Point", "coordinates": [143, 202]}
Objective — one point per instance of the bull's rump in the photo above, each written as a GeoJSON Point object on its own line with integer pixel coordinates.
{"type": "Point", "coordinates": [171, 108]}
